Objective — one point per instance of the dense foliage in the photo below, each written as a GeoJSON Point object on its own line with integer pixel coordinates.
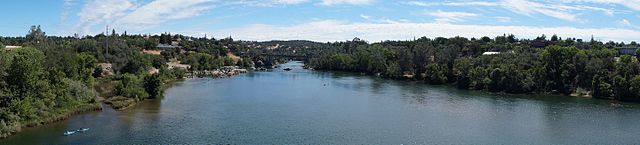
{"type": "Point", "coordinates": [52, 77]}
{"type": "Point", "coordinates": [568, 66]}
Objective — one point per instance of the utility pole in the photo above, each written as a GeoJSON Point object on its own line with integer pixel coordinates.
{"type": "Point", "coordinates": [107, 40]}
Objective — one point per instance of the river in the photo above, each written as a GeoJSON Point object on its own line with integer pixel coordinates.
{"type": "Point", "coordinates": [305, 107]}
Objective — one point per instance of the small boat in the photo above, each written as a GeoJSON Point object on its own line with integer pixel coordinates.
{"type": "Point", "coordinates": [82, 130]}
{"type": "Point", "coordinates": [287, 69]}
{"type": "Point", "coordinates": [67, 133]}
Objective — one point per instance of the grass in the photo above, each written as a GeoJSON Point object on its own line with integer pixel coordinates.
{"type": "Point", "coordinates": [119, 102]}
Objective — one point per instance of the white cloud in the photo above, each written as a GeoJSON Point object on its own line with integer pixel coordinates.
{"type": "Point", "coordinates": [66, 7]}
{"type": "Point", "coordinates": [95, 12]}
{"type": "Point", "coordinates": [450, 17]}
{"type": "Point", "coordinates": [264, 3]}
{"type": "Point", "coordinates": [608, 12]}
{"type": "Point", "coordinates": [332, 30]}
{"type": "Point", "coordinates": [160, 11]}
{"type": "Point", "coordinates": [631, 4]}
{"type": "Point", "coordinates": [347, 2]}
{"type": "Point", "coordinates": [529, 8]}
{"type": "Point", "coordinates": [128, 14]}
{"type": "Point", "coordinates": [503, 19]}
{"type": "Point", "coordinates": [381, 20]}
{"type": "Point", "coordinates": [365, 17]}
{"type": "Point", "coordinates": [289, 2]}
{"type": "Point", "coordinates": [477, 3]}
{"type": "Point", "coordinates": [625, 23]}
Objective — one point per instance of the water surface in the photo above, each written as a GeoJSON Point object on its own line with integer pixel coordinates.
{"type": "Point", "coordinates": [304, 107]}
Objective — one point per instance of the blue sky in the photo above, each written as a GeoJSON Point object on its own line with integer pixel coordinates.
{"type": "Point", "coordinates": [329, 20]}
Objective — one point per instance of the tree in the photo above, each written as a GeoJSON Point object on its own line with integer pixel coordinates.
{"type": "Point", "coordinates": [87, 63]}
{"type": "Point", "coordinates": [554, 38]}
{"type": "Point", "coordinates": [137, 64]}
{"type": "Point", "coordinates": [131, 86]}
{"type": "Point", "coordinates": [393, 70]}
{"type": "Point", "coordinates": [496, 77]}
{"type": "Point", "coordinates": [153, 84]}
{"type": "Point", "coordinates": [26, 71]}
{"type": "Point", "coordinates": [634, 88]}
{"type": "Point", "coordinates": [436, 74]}
{"type": "Point", "coordinates": [601, 86]}
{"type": "Point", "coordinates": [627, 67]}
{"type": "Point", "coordinates": [35, 35]}
{"type": "Point", "coordinates": [341, 62]}
{"type": "Point", "coordinates": [560, 68]}
{"type": "Point", "coordinates": [511, 38]}
{"type": "Point", "coordinates": [477, 78]}
{"type": "Point", "coordinates": [461, 70]}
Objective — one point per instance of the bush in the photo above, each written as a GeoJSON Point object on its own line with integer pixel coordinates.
{"type": "Point", "coordinates": [131, 86]}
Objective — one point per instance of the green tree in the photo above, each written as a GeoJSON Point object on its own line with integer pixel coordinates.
{"type": "Point", "coordinates": [560, 68]}
{"type": "Point", "coordinates": [436, 74]}
{"type": "Point", "coordinates": [131, 86]}
{"type": "Point", "coordinates": [87, 65]}
{"type": "Point", "coordinates": [25, 74]}
{"type": "Point", "coordinates": [627, 67]}
{"type": "Point", "coordinates": [477, 77]}
{"type": "Point", "coordinates": [634, 88]}
{"type": "Point", "coordinates": [497, 77]}
{"type": "Point", "coordinates": [602, 87]}
{"type": "Point", "coordinates": [393, 70]}
{"type": "Point", "coordinates": [554, 38]}
{"type": "Point", "coordinates": [341, 62]}
{"type": "Point", "coordinates": [153, 84]}
{"type": "Point", "coordinates": [36, 35]}
{"type": "Point", "coordinates": [462, 70]}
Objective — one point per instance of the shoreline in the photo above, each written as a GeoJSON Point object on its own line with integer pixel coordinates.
{"type": "Point", "coordinates": [84, 108]}
{"type": "Point", "coordinates": [128, 103]}
{"type": "Point", "coordinates": [452, 85]}
{"type": "Point", "coordinates": [56, 117]}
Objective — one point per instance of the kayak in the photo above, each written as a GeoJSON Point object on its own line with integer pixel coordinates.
{"type": "Point", "coordinates": [66, 133]}
{"type": "Point", "coordinates": [82, 129]}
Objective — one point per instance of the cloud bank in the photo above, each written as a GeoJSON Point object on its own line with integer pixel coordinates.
{"type": "Point", "coordinates": [332, 30]}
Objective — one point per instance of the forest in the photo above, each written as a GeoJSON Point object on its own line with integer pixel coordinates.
{"type": "Point", "coordinates": [502, 64]}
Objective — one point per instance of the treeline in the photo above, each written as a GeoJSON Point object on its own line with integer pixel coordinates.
{"type": "Point", "coordinates": [566, 66]}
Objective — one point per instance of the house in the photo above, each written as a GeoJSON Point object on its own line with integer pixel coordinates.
{"type": "Point", "coordinates": [627, 50]}
{"type": "Point", "coordinates": [539, 43]}
{"type": "Point", "coordinates": [496, 53]}
{"type": "Point", "coordinates": [165, 46]}
{"type": "Point", "coordinates": [490, 53]}
{"type": "Point", "coordinates": [12, 47]}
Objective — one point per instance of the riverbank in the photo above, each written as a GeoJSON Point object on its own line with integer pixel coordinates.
{"type": "Point", "coordinates": [226, 71]}
{"type": "Point", "coordinates": [55, 116]}
{"type": "Point", "coordinates": [579, 93]}
{"type": "Point", "coordinates": [121, 102]}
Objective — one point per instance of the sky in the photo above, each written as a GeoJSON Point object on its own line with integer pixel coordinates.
{"type": "Point", "coordinates": [329, 20]}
